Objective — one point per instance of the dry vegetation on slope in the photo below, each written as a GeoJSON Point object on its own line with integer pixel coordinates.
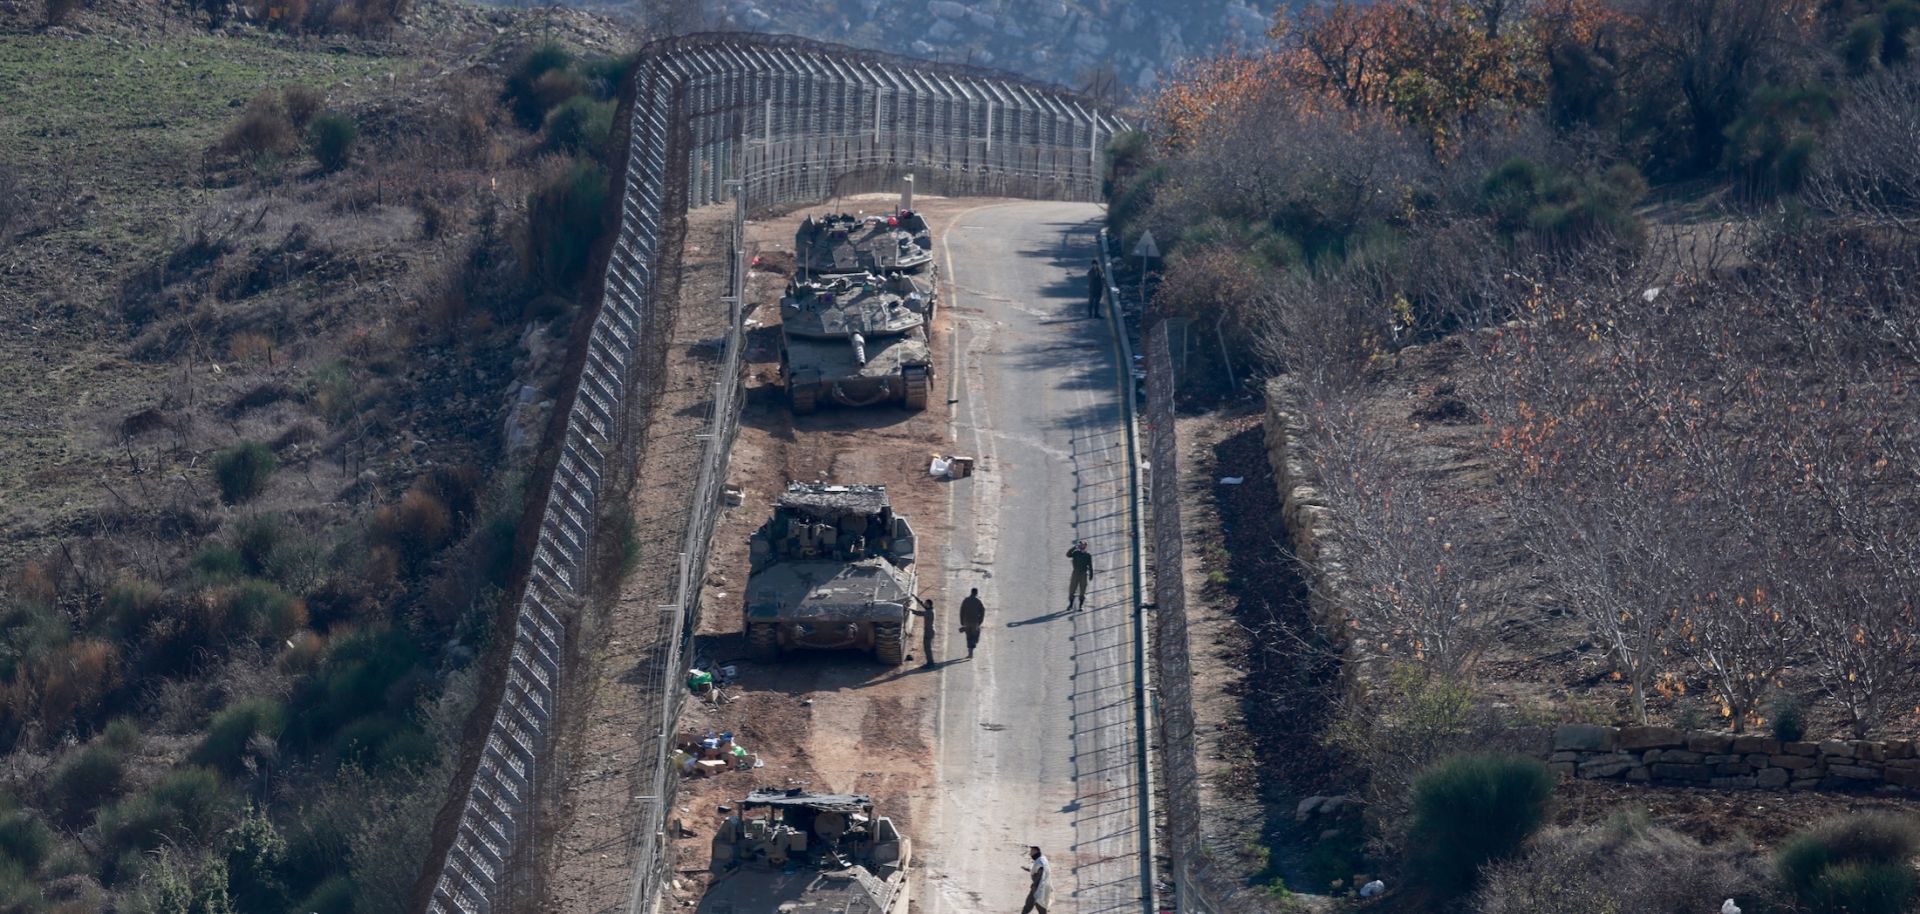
{"type": "Point", "coordinates": [1601, 319]}
{"type": "Point", "coordinates": [286, 308]}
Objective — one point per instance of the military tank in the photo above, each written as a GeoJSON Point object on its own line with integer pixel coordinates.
{"type": "Point", "coordinates": [843, 243]}
{"type": "Point", "coordinates": [831, 569]}
{"type": "Point", "coordinates": [794, 852]}
{"type": "Point", "coordinates": [856, 341]}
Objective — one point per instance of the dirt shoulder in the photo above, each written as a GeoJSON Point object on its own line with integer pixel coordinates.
{"type": "Point", "coordinates": [605, 754]}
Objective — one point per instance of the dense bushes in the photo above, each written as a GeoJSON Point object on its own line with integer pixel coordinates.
{"type": "Point", "coordinates": [1471, 810]}
{"type": "Point", "coordinates": [242, 471]}
{"type": "Point", "coordinates": [1625, 865]}
{"type": "Point", "coordinates": [1855, 865]}
{"type": "Point", "coordinates": [188, 806]}
{"type": "Point", "coordinates": [580, 126]}
{"type": "Point", "coordinates": [230, 739]}
{"type": "Point", "coordinates": [92, 775]}
{"type": "Point", "coordinates": [1531, 201]}
{"type": "Point", "coordinates": [538, 83]}
{"type": "Point", "coordinates": [566, 215]}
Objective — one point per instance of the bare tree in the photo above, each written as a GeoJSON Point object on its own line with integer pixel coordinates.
{"type": "Point", "coordinates": [1872, 169]}
{"type": "Point", "coordinates": [1410, 595]}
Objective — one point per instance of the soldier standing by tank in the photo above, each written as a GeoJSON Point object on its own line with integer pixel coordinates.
{"type": "Point", "coordinates": [1096, 285]}
{"type": "Point", "coordinates": [973, 614]}
{"type": "Point", "coordinates": [926, 633]}
{"type": "Point", "coordinates": [1082, 574]}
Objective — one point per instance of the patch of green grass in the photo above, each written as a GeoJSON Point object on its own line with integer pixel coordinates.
{"type": "Point", "coordinates": [128, 123]}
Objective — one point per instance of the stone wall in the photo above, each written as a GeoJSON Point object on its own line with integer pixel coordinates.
{"type": "Point", "coordinates": [1664, 755]}
{"type": "Point", "coordinates": [1302, 507]}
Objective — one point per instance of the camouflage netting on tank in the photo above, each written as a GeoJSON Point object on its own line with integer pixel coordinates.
{"type": "Point", "coordinates": [835, 499]}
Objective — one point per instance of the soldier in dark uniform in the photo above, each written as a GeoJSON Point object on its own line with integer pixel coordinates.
{"type": "Point", "coordinates": [973, 614]}
{"type": "Point", "coordinates": [1082, 574]}
{"type": "Point", "coordinates": [926, 633]}
{"type": "Point", "coordinates": [1096, 286]}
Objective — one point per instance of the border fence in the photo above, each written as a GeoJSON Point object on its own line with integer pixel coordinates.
{"type": "Point", "coordinates": [765, 121]}
{"type": "Point", "coordinates": [1194, 891]}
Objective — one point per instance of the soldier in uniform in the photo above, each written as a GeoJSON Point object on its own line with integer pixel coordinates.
{"type": "Point", "coordinates": [926, 633]}
{"type": "Point", "coordinates": [1082, 574]}
{"type": "Point", "coordinates": [1096, 285]}
{"type": "Point", "coordinates": [973, 614]}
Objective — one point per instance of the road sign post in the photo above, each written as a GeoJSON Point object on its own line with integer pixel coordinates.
{"type": "Point", "coordinates": [1145, 250]}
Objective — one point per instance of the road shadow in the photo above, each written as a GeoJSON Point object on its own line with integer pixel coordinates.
{"type": "Point", "coordinates": [799, 672]}
{"type": "Point", "coordinates": [1042, 619]}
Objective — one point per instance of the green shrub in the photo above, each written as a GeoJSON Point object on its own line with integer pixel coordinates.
{"type": "Point", "coordinates": [130, 603]}
{"type": "Point", "coordinates": [330, 138]}
{"type": "Point", "coordinates": [565, 216]}
{"type": "Point", "coordinates": [243, 470]}
{"type": "Point", "coordinates": [1471, 810]}
{"type": "Point", "coordinates": [580, 126]}
{"type": "Point", "coordinates": [1859, 864]}
{"type": "Point", "coordinates": [1862, 47]}
{"type": "Point", "coordinates": [262, 611]}
{"type": "Point", "coordinates": [334, 896]}
{"type": "Point", "coordinates": [604, 75]}
{"type": "Point", "coordinates": [1789, 719]}
{"type": "Point", "coordinates": [18, 892]}
{"type": "Point", "coordinates": [370, 672]}
{"type": "Point", "coordinates": [257, 537]}
{"type": "Point", "coordinates": [378, 743]}
{"type": "Point", "coordinates": [230, 737]}
{"type": "Point", "coordinates": [187, 807]}
{"type": "Point", "coordinates": [219, 563]}
{"type": "Point", "coordinates": [523, 93]}
{"type": "Point", "coordinates": [255, 853]}
{"type": "Point", "coordinates": [1861, 888]}
{"type": "Point", "coordinates": [87, 777]}
{"type": "Point", "coordinates": [25, 840]}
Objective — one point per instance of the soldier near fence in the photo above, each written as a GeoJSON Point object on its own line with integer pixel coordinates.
{"type": "Point", "coordinates": [926, 632]}
{"type": "Point", "coordinates": [1082, 561]}
{"type": "Point", "coordinates": [973, 614]}
{"type": "Point", "coordinates": [1096, 287]}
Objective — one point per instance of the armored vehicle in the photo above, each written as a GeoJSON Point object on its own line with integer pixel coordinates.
{"type": "Point", "coordinates": [844, 243]}
{"type": "Point", "coordinates": [833, 568]}
{"type": "Point", "coordinates": [792, 852]}
{"type": "Point", "coordinates": [856, 341]}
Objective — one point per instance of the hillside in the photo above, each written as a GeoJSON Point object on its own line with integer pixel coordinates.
{"type": "Point", "coordinates": [287, 310]}
{"type": "Point", "coordinates": [1121, 47]}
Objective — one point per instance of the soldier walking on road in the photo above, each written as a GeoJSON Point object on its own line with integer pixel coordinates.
{"type": "Point", "coordinates": [926, 633]}
{"type": "Point", "coordinates": [1082, 574]}
{"type": "Point", "coordinates": [1040, 895]}
{"type": "Point", "coordinates": [1096, 286]}
{"type": "Point", "coordinates": [973, 614]}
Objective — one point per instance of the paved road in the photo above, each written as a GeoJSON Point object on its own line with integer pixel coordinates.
{"type": "Point", "coordinates": [1035, 738]}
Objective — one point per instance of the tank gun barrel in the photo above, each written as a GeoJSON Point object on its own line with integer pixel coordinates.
{"type": "Point", "coordinates": [859, 348]}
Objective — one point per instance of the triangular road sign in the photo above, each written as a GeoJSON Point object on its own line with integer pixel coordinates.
{"type": "Point", "coordinates": [1146, 247]}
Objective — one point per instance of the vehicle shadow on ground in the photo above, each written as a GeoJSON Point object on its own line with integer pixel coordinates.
{"type": "Point", "coordinates": [800, 672]}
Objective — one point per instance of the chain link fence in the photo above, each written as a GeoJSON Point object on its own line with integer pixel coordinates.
{"type": "Point", "coordinates": [765, 121]}
{"type": "Point", "coordinates": [1195, 890]}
